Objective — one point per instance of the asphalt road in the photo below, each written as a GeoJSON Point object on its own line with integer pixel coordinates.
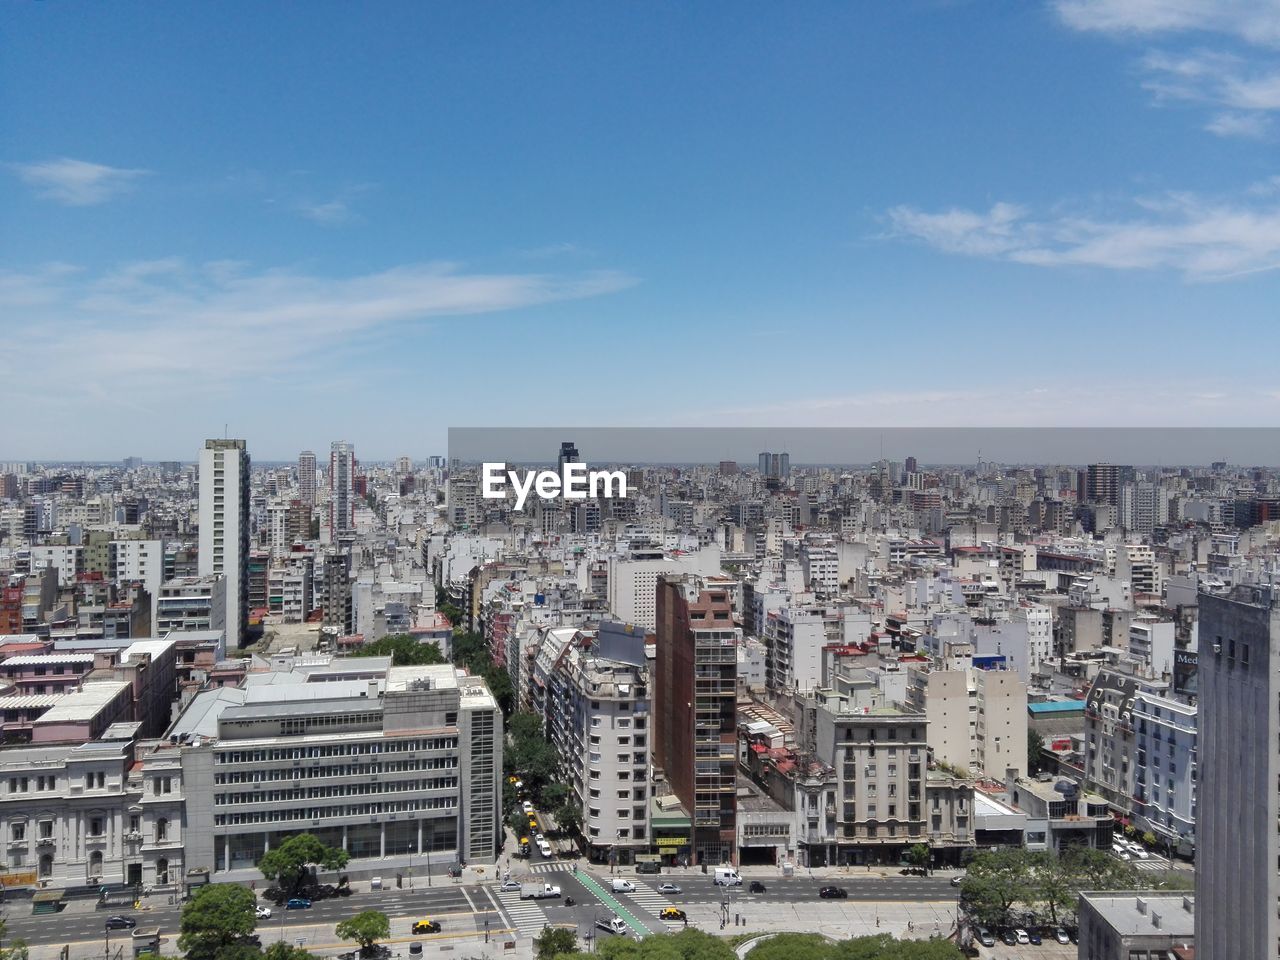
{"type": "Point", "coordinates": [448, 899]}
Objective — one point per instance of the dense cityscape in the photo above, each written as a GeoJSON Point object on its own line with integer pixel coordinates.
{"type": "Point", "coordinates": [965, 702]}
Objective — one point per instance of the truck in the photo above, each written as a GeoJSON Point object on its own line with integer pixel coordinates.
{"type": "Point", "coordinates": [538, 891]}
{"type": "Point", "coordinates": [615, 925]}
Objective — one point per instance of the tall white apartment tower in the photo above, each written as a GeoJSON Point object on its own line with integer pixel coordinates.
{"type": "Point", "coordinates": [307, 478]}
{"type": "Point", "coordinates": [1238, 791]}
{"type": "Point", "coordinates": [224, 527]}
{"type": "Point", "coordinates": [342, 471]}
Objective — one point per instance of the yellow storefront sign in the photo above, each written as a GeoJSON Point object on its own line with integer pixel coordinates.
{"type": "Point", "coordinates": [672, 841]}
{"type": "Point", "coordinates": [24, 879]}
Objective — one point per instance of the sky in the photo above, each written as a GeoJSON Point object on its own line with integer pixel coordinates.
{"type": "Point", "coordinates": [297, 223]}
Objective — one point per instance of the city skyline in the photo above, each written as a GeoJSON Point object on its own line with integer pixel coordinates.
{"type": "Point", "coordinates": [319, 223]}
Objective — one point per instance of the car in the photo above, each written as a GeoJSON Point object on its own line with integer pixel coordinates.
{"type": "Point", "coordinates": [756, 887]}
{"type": "Point", "coordinates": [527, 807]}
{"type": "Point", "coordinates": [985, 938]}
{"type": "Point", "coordinates": [539, 837]}
{"type": "Point", "coordinates": [121, 923]}
{"type": "Point", "coordinates": [507, 885]}
{"type": "Point", "coordinates": [669, 888]}
{"type": "Point", "coordinates": [427, 926]}
{"type": "Point", "coordinates": [1034, 938]}
{"type": "Point", "coordinates": [1139, 852]}
{"type": "Point", "coordinates": [672, 913]}
{"type": "Point", "coordinates": [1061, 936]}
{"type": "Point", "coordinates": [1022, 936]}
{"type": "Point", "coordinates": [262, 913]}
{"type": "Point", "coordinates": [957, 879]}
{"type": "Point", "coordinates": [833, 893]}
{"type": "Point", "coordinates": [619, 885]}
{"type": "Point", "coordinates": [298, 903]}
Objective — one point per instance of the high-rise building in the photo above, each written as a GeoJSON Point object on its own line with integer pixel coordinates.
{"type": "Point", "coordinates": [695, 709]}
{"type": "Point", "coordinates": [342, 472]}
{"type": "Point", "coordinates": [1237, 803]}
{"type": "Point", "coordinates": [775, 466]}
{"type": "Point", "coordinates": [1103, 483]}
{"type": "Point", "coordinates": [568, 454]}
{"type": "Point", "coordinates": [307, 478]}
{"type": "Point", "coordinates": [224, 527]}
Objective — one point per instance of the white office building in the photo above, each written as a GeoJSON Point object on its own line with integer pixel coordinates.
{"type": "Point", "coordinates": [224, 528]}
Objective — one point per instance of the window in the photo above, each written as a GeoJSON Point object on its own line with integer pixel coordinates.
{"type": "Point", "coordinates": [18, 831]}
{"type": "Point", "coordinates": [46, 829]}
{"type": "Point", "coordinates": [97, 826]}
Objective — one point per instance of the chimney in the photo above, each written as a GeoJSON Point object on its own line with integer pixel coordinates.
{"type": "Point", "coordinates": [1142, 906]}
{"type": "Point", "coordinates": [1155, 920]}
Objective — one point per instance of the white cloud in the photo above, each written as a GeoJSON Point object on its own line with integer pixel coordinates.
{"type": "Point", "coordinates": [165, 324]}
{"type": "Point", "coordinates": [1179, 232]}
{"type": "Point", "coordinates": [76, 183]}
{"type": "Point", "coordinates": [333, 212]}
{"type": "Point", "coordinates": [1251, 126]}
{"type": "Point", "coordinates": [1253, 21]}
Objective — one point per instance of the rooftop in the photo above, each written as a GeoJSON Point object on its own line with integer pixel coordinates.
{"type": "Point", "coordinates": [1145, 913]}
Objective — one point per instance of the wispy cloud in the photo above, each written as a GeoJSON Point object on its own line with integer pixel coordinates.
{"type": "Point", "coordinates": [1242, 84]}
{"type": "Point", "coordinates": [1200, 239]}
{"type": "Point", "coordinates": [163, 323]}
{"type": "Point", "coordinates": [76, 183]}
{"type": "Point", "coordinates": [1253, 21]}
{"type": "Point", "coordinates": [333, 212]}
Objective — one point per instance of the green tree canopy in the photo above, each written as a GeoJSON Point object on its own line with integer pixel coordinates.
{"type": "Point", "coordinates": [688, 944]}
{"type": "Point", "coordinates": [283, 950]}
{"type": "Point", "coordinates": [403, 650]}
{"type": "Point", "coordinates": [215, 917]}
{"type": "Point", "coordinates": [789, 946]}
{"type": "Point", "coordinates": [365, 928]}
{"type": "Point", "coordinates": [289, 863]}
{"type": "Point", "coordinates": [1035, 751]}
{"type": "Point", "coordinates": [16, 950]}
{"type": "Point", "coordinates": [555, 942]}
{"type": "Point", "coordinates": [1046, 882]}
{"type": "Point", "coordinates": [917, 856]}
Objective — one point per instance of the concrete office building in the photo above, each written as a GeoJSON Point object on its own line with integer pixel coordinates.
{"type": "Point", "coordinates": [189, 604]}
{"type": "Point", "coordinates": [1138, 925]}
{"type": "Point", "coordinates": [400, 766]}
{"type": "Point", "coordinates": [695, 709]}
{"type": "Point", "coordinates": [224, 528]}
{"type": "Point", "coordinates": [307, 478]}
{"type": "Point", "coordinates": [1239, 751]}
{"type": "Point", "coordinates": [342, 472]}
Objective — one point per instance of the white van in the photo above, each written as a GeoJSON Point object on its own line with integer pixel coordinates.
{"type": "Point", "coordinates": [623, 886]}
{"type": "Point", "coordinates": [544, 848]}
{"type": "Point", "coordinates": [615, 925]}
{"type": "Point", "coordinates": [727, 877]}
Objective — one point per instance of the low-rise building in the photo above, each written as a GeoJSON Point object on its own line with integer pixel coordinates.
{"type": "Point", "coordinates": [1137, 925]}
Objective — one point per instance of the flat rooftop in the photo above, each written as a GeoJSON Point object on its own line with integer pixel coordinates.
{"type": "Point", "coordinates": [1134, 913]}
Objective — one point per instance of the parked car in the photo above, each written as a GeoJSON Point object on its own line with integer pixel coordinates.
{"type": "Point", "coordinates": [985, 938]}
{"type": "Point", "coordinates": [121, 923]}
{"type": "Point", "coordinates": [298, 903]}
{"type": "Point", "coordinates": [1022, 936]}
{"type": "Point", "coordinates": [527, 807]}
{"type": "Point", "coordinates": [833, 893]}
{"type": "Point", "coordinates": [756, 887]}
{"type": "Point", "coordinates": [262, 913]}
{"type": "Point", "coordinates": [669, 888]}
{"type": "Point", "coordinates": [672, 913]}
{"type": "Point", "coordinates": [1009, 938]}
{"type": "Point", "coordinates": [427, 926]}
{"type": "Point", "coordinates": [1035, 937]}
{"type": "Point", "coordinates": [1061, 936]}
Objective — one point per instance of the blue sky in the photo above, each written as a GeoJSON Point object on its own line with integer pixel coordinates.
{"type": "Point", "coordinates": [328, 220]}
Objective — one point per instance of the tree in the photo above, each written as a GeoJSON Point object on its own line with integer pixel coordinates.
{"type": "Point", "coordinates": [403, 650]}
{"type": "Point", "coordinates": [554, 942]}
{"type": "Point", "coordinates": [280, 950]}
{"type": "Point", "coordinates": [688, 944]}
{"type": "Point", "coordinates": [788, 946]}
{"type": "Point", "coordinates": [1054, 885]}
{"type": "Point", "coordinates": [290, 862]}
{"type": "Point", "coordinates": [17, 950]}
{"type": "Point", "coordinates": [917, 856]}
{"type": "Point", "coordinates": [1149, 839]}
{"type": "Point", "coordinates": [217, 915]}
{"type": "Point", "coordinates": [365, 928]}
{"type": "Point", "coordinates": [569, 816]}
{"type": "Point", "coordinates": [1035, 751]}
{"type": "Point", "coordinates": [995, 881]}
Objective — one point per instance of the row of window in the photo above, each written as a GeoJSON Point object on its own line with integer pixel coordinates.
{"type": "Point", "coordinates": [333, 813]}
{"type": "Point", "coordinates": [315, 772]}
{"type": "Point", "coordinates": [338, 790]}
{"type": "Point", "coordinates": [335, 750]}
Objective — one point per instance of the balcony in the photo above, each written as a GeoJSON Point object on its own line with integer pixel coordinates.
{"type": "Point", "coordinates": [46, 842]}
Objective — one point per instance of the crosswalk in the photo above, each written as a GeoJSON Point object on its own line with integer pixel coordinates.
{"type": "Point", "coordinates": [649, 898]}
{"type": "Point", "coordinates": [551, 866]}
{"type": "Point", "coordinates": [1153, 864]}
{"type": "Point", "coordinates": [527, 916]}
